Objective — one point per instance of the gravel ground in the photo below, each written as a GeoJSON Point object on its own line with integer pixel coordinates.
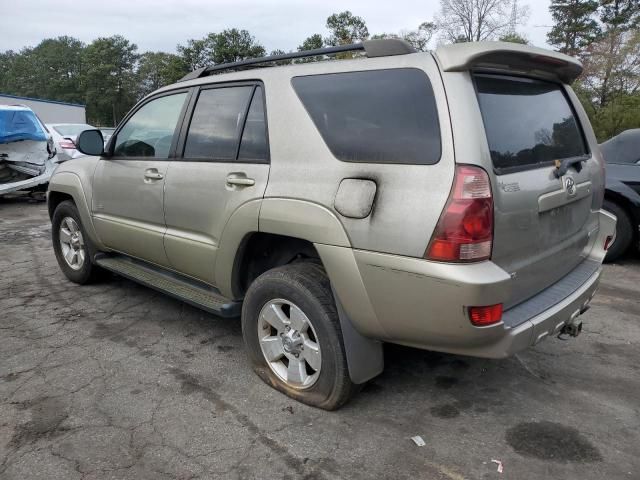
{"type": "Point", "coordinates": [117, 381]}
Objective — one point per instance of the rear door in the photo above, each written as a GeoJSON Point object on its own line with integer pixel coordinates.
{"type": "Point", "coordinates": [542, 219]}
{"type": "Point", "coordinates": [224, 164]}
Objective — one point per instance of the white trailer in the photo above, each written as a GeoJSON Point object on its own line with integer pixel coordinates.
{"type": "Point", "coordinates": [49, 111]}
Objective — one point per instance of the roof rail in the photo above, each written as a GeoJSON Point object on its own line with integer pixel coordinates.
{"type": "Point", "coordinates": [372, 48]}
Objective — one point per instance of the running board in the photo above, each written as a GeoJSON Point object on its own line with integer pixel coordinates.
{"type": "Point", "coordinates": [189, 291]}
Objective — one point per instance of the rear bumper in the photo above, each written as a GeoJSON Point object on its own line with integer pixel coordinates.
{"type": "Point", "coordinates": [423, 304]}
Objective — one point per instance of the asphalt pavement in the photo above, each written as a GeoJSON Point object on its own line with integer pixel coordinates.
{"type": "Point", "coordinates": [116, 381]}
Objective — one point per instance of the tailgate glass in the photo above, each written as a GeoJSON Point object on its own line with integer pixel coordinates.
{"type": "Point", "coordinates": [529, 122]}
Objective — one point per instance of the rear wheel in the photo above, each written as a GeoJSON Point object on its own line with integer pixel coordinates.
{"type": "Point", "coordinates": [624, 231]}
{"type": "Point", "coordinates": [292, 332]}
{"type": "Point", "coordinates": [71, 245]}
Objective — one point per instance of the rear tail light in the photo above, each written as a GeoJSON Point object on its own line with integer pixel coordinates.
{"type": "Point", "coordinates": [68, 144]}
{"type": "Point", "coordinates": [484, 316]}
{"type": "Point", "coordinates": [608, 241]}
{"type": "Point", "coordinates": [465, 229]}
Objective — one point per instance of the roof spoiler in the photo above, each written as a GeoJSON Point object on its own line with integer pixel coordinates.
{"type": "Point", "coordinates": [508, 56]}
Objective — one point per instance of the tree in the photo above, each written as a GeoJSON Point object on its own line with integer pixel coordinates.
{"type": "Point", "coordinates": [476, 20]}
{"type": "Point", "coordinates": [346, 28]}
{"type": "Point", "coordinates": [196, 53]}
{"type": "Point", "coordinates": [514, 37]}
{"type": "Point", "coordinates": [420, 38]}
{"type": "Point", "coordinates": [574, 26]}
{"type": "Point", "coordinates": [233, 45]}
{"type": "Point", "coordinates": [52, 69]}
{"type": "Point", "coordinates": [311, 43]}
{"type": "Point", "coordinates": [620, 14]}
{"type": "Point", "coordinates": [109, 79]}
{"type": "Point", "coordinates": [157, 69]}
{"type": "Point", "coordinates": [612, 66]}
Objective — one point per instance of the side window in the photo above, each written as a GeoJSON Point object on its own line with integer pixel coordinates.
{"type": "Point", "coordinates": [253, 147]}
{"type": "Point", "coordinates": [375, 116]}
{"type": "Point", "coordinates": [216, 123]}
{"type": "Point", "coordinates": [149, 132]}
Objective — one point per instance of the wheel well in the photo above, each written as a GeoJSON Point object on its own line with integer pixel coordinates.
{"type": "Point", "coordinates": [260, 252]}
{"type": "Point", "coordinates": [55, 199]}
{"type": "Point", "coordinates": [625, 205]}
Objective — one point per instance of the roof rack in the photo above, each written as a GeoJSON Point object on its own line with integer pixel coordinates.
{"type": "Point", "coordinates": [372, 48]}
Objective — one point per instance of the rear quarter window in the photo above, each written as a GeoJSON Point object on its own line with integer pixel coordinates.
{"type": "Point", "coordinates": [375, 116]}
{"type": "Point", "coordinates": [528, 122]}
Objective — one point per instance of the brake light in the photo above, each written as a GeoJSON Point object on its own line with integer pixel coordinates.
{"type": "Point", "coordinates": [68, 144]}
{"type": "Point", "coordinates": [484, 316]}
{"type": "Point", "coordinates": [464, 232]}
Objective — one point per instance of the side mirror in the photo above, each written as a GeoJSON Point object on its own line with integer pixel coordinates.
{"type": "Point", "coordinates": [90, 142]}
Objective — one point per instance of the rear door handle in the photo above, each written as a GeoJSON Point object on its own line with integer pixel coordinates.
{"type": "Point", "coordinates": [240, 179]}
{"type": "Point", "coordinates": [153, 174]}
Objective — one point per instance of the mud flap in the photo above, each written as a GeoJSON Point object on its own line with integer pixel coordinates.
{"type": "Point", "coordinates": [365, 356]}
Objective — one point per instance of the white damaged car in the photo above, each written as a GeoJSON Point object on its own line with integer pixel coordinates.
{"type": "Point", "coordinates": [27, 154]}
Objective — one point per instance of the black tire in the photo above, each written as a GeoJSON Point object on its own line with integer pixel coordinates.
{"type": "Point", "coordinates": [307, 286]}
{"type": "Point", "coordinates": [624, 232]}
{"type": "Point", "coordinates": [88, 272]}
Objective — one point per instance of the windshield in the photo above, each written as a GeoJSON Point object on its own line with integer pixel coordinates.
{"type": "Point", "coordinates": [528, 122]}
{"type": "Point", "coordinates": [72, 129]}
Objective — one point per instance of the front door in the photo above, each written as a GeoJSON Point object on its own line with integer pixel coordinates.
{"type": "Point", "coordinates": [127, 204]}
{"type": "Point", "coordinates": [224, 164]}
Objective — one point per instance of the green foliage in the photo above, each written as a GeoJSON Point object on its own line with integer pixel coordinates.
{"type": "Point", "coordinates": [609, 87]}
{"type": "Point", "coordinates": [346, 28]}
{"type": "Point", "coordinates": [228, 46]}
{"type": "Point", "coordinates": [574, 25]}
{"type": "Point", "coordinates": [233, 45]}
{"type": "Point", "coordinates": [157, 69]}
{"type": "Point", "coordinates": [514, 38]}
{"type": "Point", "coordinates": [196, 53]}
{"type": "Point", "coordinates": [109, 78]}
{"type": "Point", "coordinates": [311, 43]}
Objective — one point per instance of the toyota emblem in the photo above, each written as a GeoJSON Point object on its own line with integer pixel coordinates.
{"type": "Point", "coordinates": [570, 186]}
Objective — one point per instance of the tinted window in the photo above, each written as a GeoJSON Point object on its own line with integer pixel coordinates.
{"type": "Point", "coordinates": [149, 132]}
{"type": "Point", "coordinates": [254, 136]}
{"type": "Point", "coordinates": [216, 123]}
{"type": "Point", "coordinates": [528, 122]}
{"type": "Point", "coordinates": [379, 116]}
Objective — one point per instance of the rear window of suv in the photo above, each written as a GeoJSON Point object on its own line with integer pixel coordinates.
{"type": "Point", "coordinates": [528, 122]}
{"type": "Point", "coordinates": [375, 116]}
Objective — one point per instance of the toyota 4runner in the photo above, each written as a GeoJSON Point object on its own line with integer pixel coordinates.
{"type": "Point", "coordinates": [448, 201]}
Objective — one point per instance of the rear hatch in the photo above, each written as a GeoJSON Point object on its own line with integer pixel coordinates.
{"type": "Point", "coordinates": [542, 214]}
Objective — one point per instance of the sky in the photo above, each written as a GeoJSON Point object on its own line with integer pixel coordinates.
{"type": "Point", "coordinates": [162, 24]}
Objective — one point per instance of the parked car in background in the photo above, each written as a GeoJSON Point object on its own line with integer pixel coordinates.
{"type": "Point", "coordinates": [106, 133]}
{"type": "Point", "coordinates": [448, 200]}
{"type": "Point", "coordinates": [622, 195]}
{"type": "Point", "coordinates": [27, 151]}
{"type": "Point", "coordinates": [64, 137]}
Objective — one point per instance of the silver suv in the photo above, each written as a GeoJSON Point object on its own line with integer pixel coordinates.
{"type": "Point", "coordinates": [449, 201]}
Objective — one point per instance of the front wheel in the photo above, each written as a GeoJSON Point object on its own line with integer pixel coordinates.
{"type": "Point", "coordinates": [292, 332]}
{"type": "Point", "coordinates": [71, 245]}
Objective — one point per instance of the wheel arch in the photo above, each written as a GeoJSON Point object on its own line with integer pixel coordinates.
{"type": "Point", "coordinates": [68, 186]}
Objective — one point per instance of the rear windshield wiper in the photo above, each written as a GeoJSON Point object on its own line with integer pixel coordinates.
{"type": "Point", "coordinates": [563, 165]}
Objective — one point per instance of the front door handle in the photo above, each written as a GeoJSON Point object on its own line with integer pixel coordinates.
{"type": "Point", "coordinates": [153, 174]}
{"type": "Point", "coordinates": [240, 179]}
